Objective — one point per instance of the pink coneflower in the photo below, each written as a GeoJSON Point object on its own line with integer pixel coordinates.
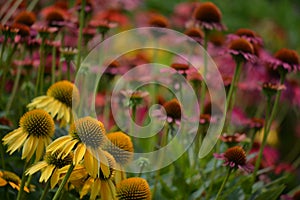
{"type": "Point", "coordinates": [286, 60]}
{"type": "Point", "coordinates": [242, 50]}
{"type": "Point", "coordinates": [26, 18]}
{"type": "Point", "coordinates": [270, 89]}
{"type": "Point", "coordinates": [247, 34]}
{"type": "Point", "coordinates": [208, 16]}
{"type": "Point", "coordinates": [159, 21]}
{"type": "Point", "coordinates": [235, 158]}
{"type": "Point", "coordinates": [173, 110]}
{"type": "Point", "coordinates": [235, 138]}
{"type": "Point", "coordinates": [195, 33]}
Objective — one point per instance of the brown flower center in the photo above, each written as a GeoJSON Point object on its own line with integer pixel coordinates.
{"type": "Point", "coordinates": [288, 56]}
{"type": "Point", "coordinates": [37, 123]}
{"type": "Point", "coordinates": [89, 131]}
{"type": "Point", "coordinates": [64, 91]}
{"type": "Point", "coordinates": [245, 32]}
{"type": "Point", "coordinates": [158, 21]}
{"type": "Point", "coordinates": [241, 44]}
{"type": "Point", "coordinates": [57, 161]}
{"type": "Point", "coordinates": [208, 12]}
{"type": "Point", "coordinates": [133, 188]}
{"type": "Point", "coordinates": [173, 109]}
{"type": "Point", "coordinates": [236, 155]}
{"type": "Point", "coordinates": [26, 18]}
{"type": "Point", "coordinates": [194, 33]}
{"type": "Point", "coordinates": [180, 66]}
{"type": "Point", "coordinates": [120, 147]}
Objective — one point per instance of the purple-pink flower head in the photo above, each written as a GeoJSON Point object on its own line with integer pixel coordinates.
{"type": "Point", "coordinates": [242, 50]}
{"type": "Point", "coordinates": [235, 158]}
{"type": "Point", "coordinates": [208, 16]}
{"type": "Point", "coordinates": [286, 60]}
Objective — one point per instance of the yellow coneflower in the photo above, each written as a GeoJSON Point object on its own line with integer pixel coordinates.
{"type": "Point", "coordinates": [58, 101]}
{"type": "Point", "coordinates": [50, 167]}
{"type": "Point", "coordinates": [11, 179]}
{"type": "Point", "coordinates": [86, 137]}
{"type": "Point", "coordinates": [34, 134]}
{"type": "Point", "coordinates": [121, 148]}
{"type": "Point", "coordinates": [103, 185]}
{"type": "Point", "coordinates": [133, 188]}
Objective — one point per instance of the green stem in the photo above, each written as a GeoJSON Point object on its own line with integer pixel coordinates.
{"type": "Point", "coordinates": [5, 67]}
{"type": "Point", "coordinates": [2, 49]}
{"type": "Point", "coordinates": [46, 189]}
{"type": "Point", "coordinates": [203, 86]}
{"type": "Point", "coordinates": [14, 90]}
{"type": "Point", "coordinates": [224, 183]}
{"type": "Point", "coordinates": [69, 70]}
{"type": "Point", "coordinates": [213, 173]}
{"type": "Point", "coordinates": [163, 142]}
{"type": "Point", "coordinates": [63, 183]}
{"type": "Point", "coordinates": [19, 197]}
{"type": "Point", "coordinates": [198, 140]}
{"type": "Point", "coordinates": [53, 65]}
{"type": "Point", "coordinates": [79, 42]}
{"type": "Point", "coordinates": [269, 120]}
{"type": "Point", "coordinates": [230, 96]}
{"type": "Point", "coordinates": [40, 70]}
{"type": "Point", "coordinates": [2, 152]}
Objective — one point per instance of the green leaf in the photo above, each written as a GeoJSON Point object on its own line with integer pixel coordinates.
{"type": "Point", "coordinates": [271, 194]}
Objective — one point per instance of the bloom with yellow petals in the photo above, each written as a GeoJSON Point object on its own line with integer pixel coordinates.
{"type": "Point", "coordinates": [11, 179]}
{"type": "Point", "coordinates": [59, 100]}
{"type": "Point", "coordinates": [51, 167]}
{"type": "Point", "coordinates": [133, 188]}
{"type": "Point", "coordinates": [103, 185]}
{"type": "Point", "coordinates": [86, 137]}
{"type": "Point", "coordinates": [121, 148]}
{"type": "Point", "coordinates": [34, 134]}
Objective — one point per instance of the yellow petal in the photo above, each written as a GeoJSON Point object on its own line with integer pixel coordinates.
{"type": "Point", "coordinates": [47, 173]}
{"type": "Point", "coordinates": [95, 189]}
{"type": "Point", "coordinates": [67, 149]}
{"type": "Point", "coordinates": [2, 182]}
{"type": "Point", "coordinates": [79, 153]}
{"type": "Point", "coordinates": [38, 166]}
{"type": "Point", "coordinates": [12, 136]}
{"type": "Point", "coordinates": [58, 143]}
{"type": "Point", "coordinates": [40, 149]}
{"type": "Point", "coordinates": [54, 178]}
{"type": "Point", "coordinates": [18, 143]}
{"type": "Point", "coordinates": [86, 187]}
{"type": "Point", "coordinates": [112, 189]}
{"type": "Point", "coordinates": [104, 163]}
{"type": "Point", "coordinates": [30, 147]}
{"type": "Point", "coordinates": [89, 163]}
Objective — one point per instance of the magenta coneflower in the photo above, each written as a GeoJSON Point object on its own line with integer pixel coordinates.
{"type": "Point", "coordinates": [235, 138]}
{"type": "Point", "coordinates": [208, 16]}
{"type": "Point", "coordinates": [235, 158]}
{"type": "Point", "coordinates": [195, 33]}
{"type": "Point", "coordinates": [247, 34]}
{"type": "Point", "coordinates": [25, 17]}
{"type": "Point", "coordinates": [158, 21]}
{"type": "Point", "coordinates": [286, 60]}
{"type": "Point", "coordinates": [242, 50]}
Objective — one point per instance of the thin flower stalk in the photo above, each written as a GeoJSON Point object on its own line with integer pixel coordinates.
{"type": "Point", "coordinates": [23, 181]}
{"type": "Point", "coordinates": [63, 183]}
{"type": "Point", "coordinates": [81, 25]}
{"type": "Point", "coordinates": [224, 183]}
{"type": "Point", "coordinates": [270, 114]}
